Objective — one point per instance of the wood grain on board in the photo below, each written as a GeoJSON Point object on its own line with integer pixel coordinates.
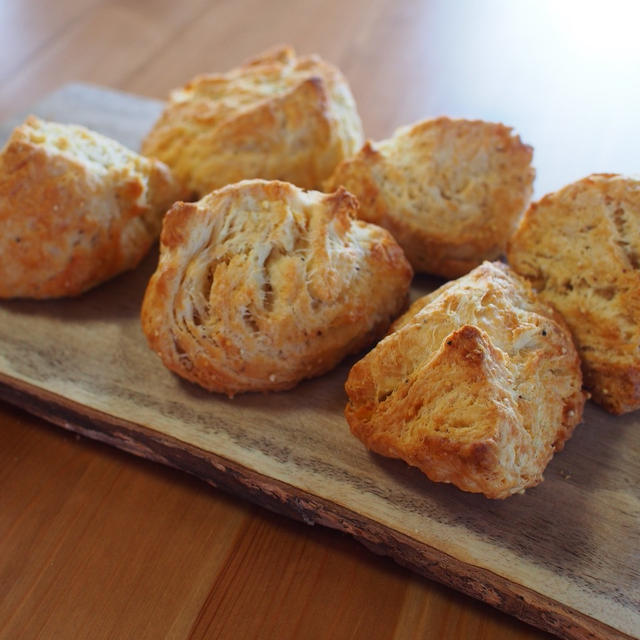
{"type": "Point", "coordinates": [563, 557]}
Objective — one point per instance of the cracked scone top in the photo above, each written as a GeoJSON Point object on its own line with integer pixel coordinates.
{"type": "Point", "coordinates": [580, 248]}
{"type": "Point", "coordinates": [277, 117]}
{"type": "Point", "coordinates": [477, 384]}
{"type": "Point", "coordinates": [261, 285]}
{"type": "Point", "coordinates": [76, 208]}
{"type": "Point", "coordinates": [450, 191]}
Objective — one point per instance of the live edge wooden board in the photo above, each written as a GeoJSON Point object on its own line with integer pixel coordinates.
{"type": "Point", "coordinates": [564, 557]}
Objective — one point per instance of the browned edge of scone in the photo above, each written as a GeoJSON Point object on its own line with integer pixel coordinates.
{"type": "Point", "coordinates": [451, 191]}
{"type": "Point", "coordinates": [580, 249]}
{"type": "Point", "coordinates": [279, 116]}
{"type": "Point", "coordinates": [76, 209]}
{"type": "Point", "coordinates": [261, 285]}
{"type": "Point", "coordinates": [478, 384]}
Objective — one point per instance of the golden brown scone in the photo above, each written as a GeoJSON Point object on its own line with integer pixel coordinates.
{"type": "Point", "coordinates": [278, 117]}
{"type": "Point", "coordinates": [580, 247]}
{"type": "Point", "coordinates": [477, 384]}
{"type": "Point", "coordinates": [261, 284]}
{"type": "Point", "coordinates": [76, 208]}
{"type": "Point", "coordinates": [450, 191]}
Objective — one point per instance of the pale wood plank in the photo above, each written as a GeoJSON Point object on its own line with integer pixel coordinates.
{"type": "Point", "coordinates": [27, 27]}
{"type": "Point", "coordinates": [121, 542]}
{"type": "Point", "coordinates": [286, 499]}
{"type": "Point", "coordinates": [222, 38]}
{"type": "Point", "coordinates": [334, 590]}
{"type": "Point", "coordinates": [323, 569]}
{"type": "Point", "coordinates": [105, 45]}
{"type": "Point", "coordinates": [428, 614]}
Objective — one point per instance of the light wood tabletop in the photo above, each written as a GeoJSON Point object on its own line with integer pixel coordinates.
{"type": "Point", "coordinates": [95, 543]}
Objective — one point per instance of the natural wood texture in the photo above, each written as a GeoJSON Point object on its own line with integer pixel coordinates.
{"type": "Point", "coordinates": [293, 453]}
{"type": "Point", "coordinates": [288, 500]}
{"type": "Point", "coordinates": [94, 543]}
{"type": "Point", "coordinates": [157, 554]}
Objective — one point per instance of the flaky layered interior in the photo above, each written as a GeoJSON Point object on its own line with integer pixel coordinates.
{"type": "Point", "coordinates": [261, 284]}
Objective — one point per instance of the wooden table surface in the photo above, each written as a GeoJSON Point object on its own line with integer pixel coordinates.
{"type": "Point", "coordinates": [95, 543]}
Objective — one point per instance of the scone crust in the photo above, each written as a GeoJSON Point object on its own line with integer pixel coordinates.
{"type": "Point", "coordinates": [477, 384]}
{"type": "Point", "coordinates": [451, 191]}
{"type": "Point", "coordinates": [261, 284]}
{"type": "Point", "coordinates": [76, 208]}
{"type": "Point", "coordinates": [277, 117]}
{"type": "Point", "coordinates": [580, 248]}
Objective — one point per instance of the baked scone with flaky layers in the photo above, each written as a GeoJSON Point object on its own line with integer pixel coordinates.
{"type": "Point", "coordinates": [76, 208]}
{"type": "Point", "coordinates": [261, 285]}
{"type": "Point", "coordinates": [580, 248]}
{"type": "Point", "coordinates": [477, 384]}
{"type": "Point", "coordinates": [278, 117]}
{"type": "Point", "coordinates": [450, 191]}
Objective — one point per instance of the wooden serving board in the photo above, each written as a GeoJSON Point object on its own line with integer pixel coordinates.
{"type": "Point", "coordinates": [564, 557]}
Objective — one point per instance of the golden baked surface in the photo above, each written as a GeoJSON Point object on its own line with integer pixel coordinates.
{"type": "Point", "coordinates": [261, 284]}
{"type": "Point", "coordinates": [580, 247]}
{"type": "Point", "coordinates": [278, 117]}
{"type": "Point", "coordinates": [450, 191]}
{"type": "Point", "coordinates": [477, 384]}
{"type": "Point", "coordinates": [76, 208]}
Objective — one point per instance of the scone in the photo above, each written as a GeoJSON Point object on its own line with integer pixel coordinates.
{"type": "Point", "coordinates": [261, 284]}
{"type": "Point", "coordinates": [477, 384]}
{"type": "Point", "coordinates": [76, 208]}
{"type": "Point", "coordinates": [580, 248]}
{"type": "Point", "coordinates": [278, 117]}
{"type": "Point", "coordinates": [450, 191]}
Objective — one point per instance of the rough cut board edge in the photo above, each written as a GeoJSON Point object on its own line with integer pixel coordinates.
{"type": "Point", "coordinates": [285, 499]}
